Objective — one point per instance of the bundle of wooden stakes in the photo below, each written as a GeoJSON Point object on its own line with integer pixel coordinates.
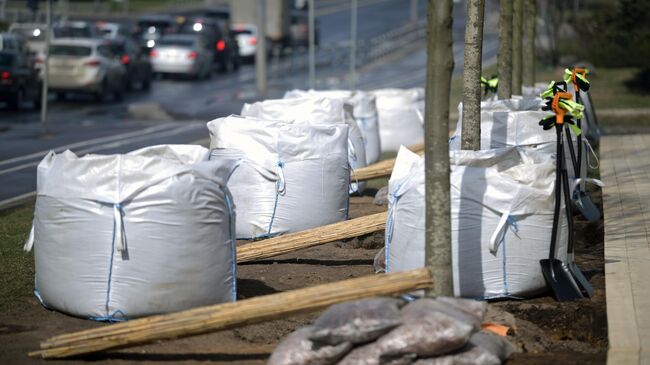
{"type": "Point", "coordinates": [230, 315]}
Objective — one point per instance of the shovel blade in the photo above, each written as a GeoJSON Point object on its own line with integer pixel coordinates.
{"type": "Point", "coordinates": [580, 279]}
{"type": "Point", "coordinates": [560, 280]}
{"type": "Point", "coordinates": [587, 208]}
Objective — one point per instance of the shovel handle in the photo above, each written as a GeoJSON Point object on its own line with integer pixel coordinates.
{"type": "Point", "coordinates": [555, 106]}
{"type": "Point", "coordinates": [574, 71]}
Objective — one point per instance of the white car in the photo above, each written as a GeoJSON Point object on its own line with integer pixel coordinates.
{"type": "Point", "coordinates": [246, 35]}
{"type": "Point", "coordinates": [85, 65]}
{"type": "Point", "coordinates": [186, 54]}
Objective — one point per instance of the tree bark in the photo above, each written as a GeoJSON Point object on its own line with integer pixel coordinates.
{"type": "Point", "coordinates": [471, 136]}
{"type": "Point", "coordinates": [436, 131]}
{"type": "Point", "coordinates": [530, 23]}
{"type": "Point", "coordinates": [504, 58]}
{"type": "Point", "coordinates": [517, 45]}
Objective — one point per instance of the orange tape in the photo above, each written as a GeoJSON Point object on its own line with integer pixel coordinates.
{"type": "Point", "coordinates": [555, 106]}
{"type": "Point", "coordinates": [496, 328]}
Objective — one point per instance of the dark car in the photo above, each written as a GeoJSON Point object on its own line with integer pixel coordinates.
{"type": "Point", "coordinates": [19, 81]}
{"type": "Point", "coordinates": [137, 63]}
{"type": "Point", "coordinates": [224, 45]}
{"type": "Point", "coordinates": [149, 28]}
{"type": "Point", "coordinates": [76, 29]}
{"type": "Point", "coordinates": [299, 29]}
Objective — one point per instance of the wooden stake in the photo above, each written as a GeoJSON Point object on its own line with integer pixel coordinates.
{"type": "Point", "coordinates": [230, 315]}
{"type": "Point", "coordinates": [312, 237]}
{"type": "Point", "coordinates": [381, 168]}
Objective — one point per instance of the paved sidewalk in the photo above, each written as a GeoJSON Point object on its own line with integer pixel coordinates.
{"type": "Point", "coordinates": [625, 170]}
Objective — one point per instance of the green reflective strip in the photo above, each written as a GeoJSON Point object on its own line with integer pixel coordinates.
{"type": "Point", "coordinates": [576, 130]}
{"type": "Point", "coordinates": [572, 108]}
{"type": "Point", "coordinates": [568, 73]}
{"type": "Point", "coordinates": [493, 82]}
{"type": "Point", "coordinates": [548, 92]}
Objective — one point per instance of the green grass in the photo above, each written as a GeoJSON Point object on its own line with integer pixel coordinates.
{"type": "Point", "coordinates": [16, 267]}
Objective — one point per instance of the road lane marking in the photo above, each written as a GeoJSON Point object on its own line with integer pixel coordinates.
{"type": "Point", "coordinates": [112, 144]}
{"type": "Point", "coordinates": [84, 143]}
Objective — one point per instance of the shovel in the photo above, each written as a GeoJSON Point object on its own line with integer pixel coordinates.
{"type": "Point", "coordinates": [558, 275]}
{"type": "Point", "coordinates": [580, 198]}
{"type": "Point", "coordinates": [571, 264]}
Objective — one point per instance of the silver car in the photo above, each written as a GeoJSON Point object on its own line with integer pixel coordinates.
{"type": "Point", "coordinates": [85, 65]}
{"type": "Point", "coordinates": [184, 54]}
{"type": "Point", "coordinates": [33, 32]}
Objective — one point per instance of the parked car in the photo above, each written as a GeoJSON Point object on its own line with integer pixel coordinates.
{"type": "Point", "coordinates": [223, 45]}
{"type": "Point", "coordinates": [184, 54]}
{"type": "Point", "coordinates": [137, 63]}
{"type": "Point", "coordinates": [150, 28]}
{"type": "Point", "coordinates": [112, 30]}
{"type": "Point", "coordinates": [76, 29]}
{"type": "Point", "coordinates": [34, 34]}
{"type": "Point", "coordinates": [246, 36]}
{"type": "Point", "coordinates": [19, 81]}
{"type": "Point", "coordinates": [85, 65]}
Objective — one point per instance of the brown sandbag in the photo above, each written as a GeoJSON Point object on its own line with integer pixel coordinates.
{"type": "Point", "coordinates": [358, 321]}
{"type": "Point", "coordinates": [297, 349]}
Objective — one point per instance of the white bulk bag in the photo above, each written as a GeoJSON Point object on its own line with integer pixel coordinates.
{"type": "Point", "coordinates": [292, 176]}
{"type": "Point", "coordinates": [401, 117]}
{"type": "Point", "coordinates": [534, 90]}
{"type": "Point", "coordinates": [364, 110]}
{"type": "Point", "coordinates": [501, 217]}
{"type": "Point", "coordinates": [315, 110]}
{"type": "Point", "coordinates": [125, 236]}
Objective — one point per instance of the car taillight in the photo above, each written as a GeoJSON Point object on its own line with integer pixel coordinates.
{"type": "Point", "coordinates": [38, 61]}
{"type": "Point", "coordinates": [93, 63]}
{"type": "Point", "coordinates": [192, 55]}
{"type": "Point", "coordinates": [125, 59]}
{"type": "Point", "coordinates": [153, 53]}
{"type": "Point", "coordinates": [221, 45]}
{"type": "Point", "coordinates": [5, 75]}
{"type": "Point", "coordinates": [252, 41]}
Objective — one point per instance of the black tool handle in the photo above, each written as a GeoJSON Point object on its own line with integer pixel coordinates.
{"type": "Point", "coordinates": [558, 190]}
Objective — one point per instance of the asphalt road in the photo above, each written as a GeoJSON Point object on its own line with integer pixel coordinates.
{"type": "Point", "coordinates": [84, 126]}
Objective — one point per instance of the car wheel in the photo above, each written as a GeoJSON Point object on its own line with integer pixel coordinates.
{"type": "Point", "coordinates": [99, 94]}
{"type": "Point", "coordinates": [38, 101]}
{"type": "Point", "coordinates": [118, 94]}
{"type": "Point", "coordinates": [16, 100]}
{"type": "Point", "coordinates": [146, 83]}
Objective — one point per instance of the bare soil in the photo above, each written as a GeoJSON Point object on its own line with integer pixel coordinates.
{"type": "Point", "coordinates": [544, 330]}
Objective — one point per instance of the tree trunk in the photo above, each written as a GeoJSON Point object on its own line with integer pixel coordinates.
{"type": "Point", "coordinates": [504, 58]}
{"type": "Point", "coordinates": [517, 45]}
{"type": "Point", "coordinates": [530, 22]}
{"type": "Point", "coordinates": [436, 134]}
{"type": "Point", "coordinates": [471, 136]}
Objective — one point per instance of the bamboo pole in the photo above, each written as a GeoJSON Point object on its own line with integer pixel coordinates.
{"type": "Point", "coordinates": [231, 315]}
{"type": "Point", "coordinates": [312, 237]}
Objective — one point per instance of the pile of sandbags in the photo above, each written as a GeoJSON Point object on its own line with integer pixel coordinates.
{"type": "Point", "coordinates": [315, 111]}
{"type": "Point", "coordinates": [364, 110]}
{"type": "Point", "coordinates": [390, 331]}
{"type": "Point", "coordinates": [124, 236]}
{"type": "Point", "coordinates": [401, 117]}
{"type": "Point", "coordinates": [291, 177]}
{"type": "Point", "coordinates": [501, 212]}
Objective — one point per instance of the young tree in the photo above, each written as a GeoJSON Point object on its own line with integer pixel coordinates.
{"type": "Point", "coordinates": [436, 134]}
{"type": "Point", "coordinates": [530, 23]}
{"type": "Point", "coordinates": [504, 58]}
{"type": "Point", "coordinates": [517, 45]}
{"type": "Point", "coordinates": [471, 136]}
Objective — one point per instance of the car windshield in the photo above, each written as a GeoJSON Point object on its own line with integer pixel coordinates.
{"type": "Point", "coordinates": [6, 59]}
{"type": "Point", "coordinates": [176, 42]}
{"type": "Point", "coordinates": [32, 34]}
{"type": "Point", "coordinates": [242, 31]}
{"type": "Point", "coordinates": [72, 32]}
{"type": "Point", "coordinates": [67, 50]}
{"type": "Point", "coordinates": [148, 26]}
